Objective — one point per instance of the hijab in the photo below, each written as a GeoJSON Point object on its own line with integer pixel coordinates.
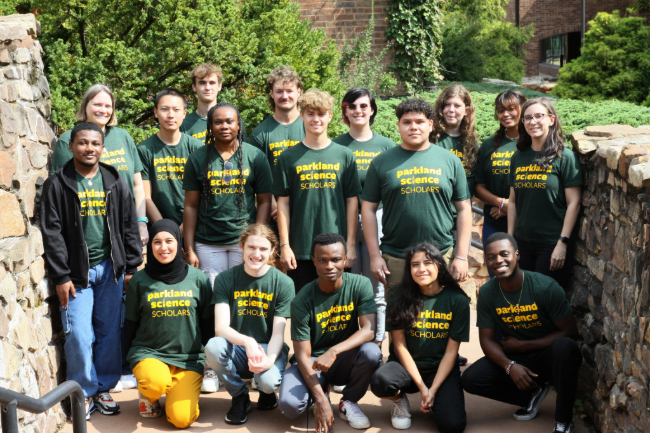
{"type": "Point", "coordinates": [173, 272]}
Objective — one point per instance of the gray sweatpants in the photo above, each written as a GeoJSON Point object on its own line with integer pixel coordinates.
{"type": "Point", "coordinates": [354, 369]}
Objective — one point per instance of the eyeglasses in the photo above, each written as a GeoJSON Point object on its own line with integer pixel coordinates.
{"type": "Point", "coordinates": [227, 166]}
{"type": "Point", "coordinates": [538, 118]}
{"type": "Point", "coordinates": [361, 106]}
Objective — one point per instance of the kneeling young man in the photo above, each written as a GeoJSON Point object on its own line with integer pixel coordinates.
{"type": "Point", "coordinates": [252, 302]}
{"type": "Point", "coordinates": [332, 327]}
{"type": "Point", "coordinates": [538, 348]}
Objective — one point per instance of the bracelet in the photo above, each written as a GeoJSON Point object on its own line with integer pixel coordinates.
{"type": "Point", "coordinates": [462, 258]}
{"type": "Point", "coordinates": [143, 220]}
{"type": "Point", "coordinates": [189, 251]}
{"type": "Point", "coordinates": [509, 367]}
{"type": "Point", "coordinates": [501, 205]}
{"type": "Point", "coordinates": [284, 244]}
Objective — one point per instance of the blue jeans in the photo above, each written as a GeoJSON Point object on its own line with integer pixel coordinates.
{"type": "Point", "coordinates": [92, 335]}
{"type": "Point", "coordinates": [230, 363]}
{"type": "Point", "coordinates": [488, 230]}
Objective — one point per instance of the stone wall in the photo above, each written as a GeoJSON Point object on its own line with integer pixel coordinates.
{"type": "Point", "coordinates": [610, 290]}
{"type": "Point", "coordinates": [29, 360]}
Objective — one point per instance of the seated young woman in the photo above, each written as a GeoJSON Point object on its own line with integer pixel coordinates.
{"type": "Point", "coordinates": [168, 314]}
{"type": "Point", "coordinates": [428, 317]}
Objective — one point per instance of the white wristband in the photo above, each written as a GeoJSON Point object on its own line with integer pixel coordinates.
{"type": "Point", "coordinates": [462, 258]}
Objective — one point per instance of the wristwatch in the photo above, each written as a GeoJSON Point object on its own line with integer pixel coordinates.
{"type": "Point", "coordinates": [564, 239]}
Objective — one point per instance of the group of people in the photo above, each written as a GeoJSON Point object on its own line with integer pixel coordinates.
{"type": "Point", "coordinates": [353, 239]}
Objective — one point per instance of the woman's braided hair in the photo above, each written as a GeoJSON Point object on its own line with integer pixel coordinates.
{"type": "Point", "coordinates": [210, 142]}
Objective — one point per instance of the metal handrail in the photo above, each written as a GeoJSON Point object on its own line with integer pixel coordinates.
{"type": "Point", "coordinates": [10, 401]}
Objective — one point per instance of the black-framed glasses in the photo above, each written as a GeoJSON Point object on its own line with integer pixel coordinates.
{"type": "Point", "coordinates": [361, 106]}
{"type": "Point", "coordinates": [227, 167]}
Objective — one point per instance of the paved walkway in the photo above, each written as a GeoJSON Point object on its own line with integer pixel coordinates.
{"type": "Point", "coordinates": [483, 416]}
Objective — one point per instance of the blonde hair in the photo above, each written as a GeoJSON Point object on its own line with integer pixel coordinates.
{"type": "Point", "coordinates": [468, 136]}
{"type": "Point", "coordinates": [264, 231]}
{"type": "Point", "coordinates": [90, 94]}
{"type": "Point", "coordinates": [314, 99]}
{"type": "Point", "coordinates": [286, 74]}
{"type": "Point", "coordinates": [205, 70]}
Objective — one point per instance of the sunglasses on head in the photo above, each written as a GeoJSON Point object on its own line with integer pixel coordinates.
{"type": "Point", "coordinates": [227, 167]}
{"type": "Point", "coordinates": [361, 106]}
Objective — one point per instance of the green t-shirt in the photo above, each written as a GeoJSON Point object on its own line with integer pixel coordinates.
{"type": "Point", "coordinates": [416, 187]}
{"type": "Point", "coordinates": [492, 170]}
{"type": "Point", "coordinates": [163, 166]}
{"type": "Point", "coordinates": [119, 151]}
{"type": "Point", "coordinates": [254, 302]}
{"type": "Point", "coordinates": [543, 302]}
{"type": "Point", "coordinates": [169, 316]}
{"type": "Point", "coordinates": [221, 223]}
{"type": "Point", "coordinates": [317, 183]}
{"type": "Point", "coordinates": [453, 145]}
{"type": "Point", "coordinates": [196, 126]}
{"type": "Point", "coordinates": [93, 218]}
{"type": "Point", "coordinates": [443, 316]}
{"type": "Point", "coordinates": [272, 137]}
{"type": "Point", "coordinates": [327, 319]}
{"type": "Point", "coordinates": [540, 198]}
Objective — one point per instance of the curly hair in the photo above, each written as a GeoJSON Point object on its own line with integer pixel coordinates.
{"type": "Point", "coordinates": [414, 105]}
{"type": "Point", "coordinates": [286, 74]}
{"type": "Point", "coordinates": [408, 299]}
{"type": "Point", "coordinates": [468, 136]}
{"type": "Point", "coordinates": [505, 99]}
{"type": "Point", "coordinates": [328, 239]}
{"type": "Point", "coordinates": [554, 145]}
{"type": "Point", "coordinates": [264, 231]}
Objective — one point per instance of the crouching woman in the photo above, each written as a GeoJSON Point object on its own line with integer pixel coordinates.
{"type": "Point", "coordinates": [167, 307]}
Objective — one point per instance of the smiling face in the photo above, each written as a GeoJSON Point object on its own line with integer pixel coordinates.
{"type": "Point", "coordinates": [360, 116]}
{"type": "Point", "coordinates": [170, 112]}
{"type": "Point", "coordinates": [454, 111]}
{"type": "Point", "coordinates": [315, 121]}
{"type": "Point", "coordinates": [509, 114]}
{"type": "Point", "coordinates": [538, 128]}
{"type": "Point", "coordinates": [225, 124]}
{"type": "Point", "coordinates": [329, 261]}
{"type": "Point", "coordinates": [164, 247]}
{"type": "Point", "coordinates": [423, 270]}
{"type": "Point", "coordinates": [100, 109]}
{"type": "Point", "coordinates": [414, 128]}
{"type": "Point", "coordinates": [256, 252]}
{"type": "Point", "coordinates": [501, 258]}
{"type": "Point", "coordinates": [207, 88]}
{"type": "Point", "coordinates": [87, 147]}
{"type": "Point", "coordinates": [285, 95]}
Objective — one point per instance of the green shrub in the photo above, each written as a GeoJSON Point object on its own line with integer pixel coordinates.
{"type": "Point", "coordinates": [614, 62]}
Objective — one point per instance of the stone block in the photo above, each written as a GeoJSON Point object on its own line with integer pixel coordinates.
{"type": "Point", "coordinates": [596, 266]}
{"type": "Point", "coordinates": [7, 288]}
{"type": "Point", "coordinates": [611, 130]}
{"type": "Point", "coordinates": [12, 359]}
{"type": "Point", "coordinates": [12, 31]}
{"type": "Point", "coordinates": [584, 144]}
{"type": "Point", "coordinates": [5, 57]}
{"type": "Point", "coordinates": [10, 125]}
{"type": "Point", "coordinates": [22, 284]}
{"type": "Point", "coordinates": [37, 154]}
{"type": "Point", "coordinates": [628, 154]}
{"type": "Point", "coordinates": [13, 73]}
{"type": "Point", "coordinates": [27, 22]}
{"type": "Point", "coordinates": [37, 270]}
{"type": "Point", "coordinates": [7, 169]}
{"type": "Point", "coordinates": [613, 155]}
{"type": "Point", "coordinates": [10, 215]}
{"type": "Point", "coordinates": [4, 324]}
{"type": "Point", "coordinates": [22, 55]}
{"type": "Point", "coordinates": [21, 331]}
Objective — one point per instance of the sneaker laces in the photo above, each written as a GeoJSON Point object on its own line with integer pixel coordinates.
{"type": "Point", "coordinates": [560, 427]}
{"type": "Point", "coordinates": [399, 409]}
{"type": "Point", "coordinates": [353, 407]}
{"type": "Point", "coordinates": [105, 396]}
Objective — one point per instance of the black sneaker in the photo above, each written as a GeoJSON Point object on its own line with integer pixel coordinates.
{"type": "Point", "coordinates": [241, 405]}
{"type": "Point", "coordinates": [267, 401]}
{"type": "Point", "coordinates": [461, 361]}
{"type": "Point", "coordinates": [530, 411]}
{"type": "Point", "coordinates": [564, 428]}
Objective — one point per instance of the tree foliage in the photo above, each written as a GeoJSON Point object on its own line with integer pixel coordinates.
{"type": "Point", "coordinates": [479, 43]}
{"type": "Point", "coordinates": [614, 62]}
{"type": "Point", "coordinates": [140, 47]}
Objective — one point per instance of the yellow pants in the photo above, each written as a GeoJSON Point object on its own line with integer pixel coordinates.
{"type": "Point", "coordinates": [182, 387]}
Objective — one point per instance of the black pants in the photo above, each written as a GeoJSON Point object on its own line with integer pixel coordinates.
{"type": "Point", "coordinates": [449, 405]}
{"type": "Point", "coordinates": [304, 273]}
{"type": "Point", "coordinates": [558, 364]}
{"type": "Point", "coordinates": [537, 258]}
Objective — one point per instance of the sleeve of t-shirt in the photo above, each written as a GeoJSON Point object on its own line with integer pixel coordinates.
{"type": "Point", "coordinates": [191, 182]}
{"type": "Point", "coordinates": [372, 185]}
{"type": "Point", "coordinates": [137, 164]}
{"type": "Point", "coordinates": [460, 321]}
{"type": "Point", "coordinates": [365, 298]}
{"type": "Point", "coordinates": [144, 160]}
{"type": "Point", "coordinates": [484, 317]}
{"type": "Point", "coordinates": [556, 303]}
{"type": "Point", "coordinates": [479, 172]}
{"type": "Point", "coordinates": [513, 166]}
{"type": "Point", "coordinates": [132, 303]}
{"type": "Point", "coordinates": [460, 187]}
{"type": "Point", "coordinates": [60, 155]}
{"type": "Point", "coordinates": [255, 140]}
{"type": "Point", "coordinates": [352, 184]}
{"type": "Point", "coordinates": [571, 173]}
{"type": "Point", "coordinates": [286, 293]}
{"type": "Point", "coordinates": [206, 294]}
{"type": "Point", "coordinates": [281, 183]}
{"type": "Point", "coordinates": [263, 175]}
{"type": "Point", "coordinates": [221, 293]}
{"type": "Point", "coordinates": [300, 321]}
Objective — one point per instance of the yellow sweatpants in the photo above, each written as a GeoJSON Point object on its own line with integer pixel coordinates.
{"type": "Point", "coordinates": [182, 387]}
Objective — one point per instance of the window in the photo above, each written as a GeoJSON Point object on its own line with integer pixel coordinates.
{"type": "Point", "coordinates": [554, 50]}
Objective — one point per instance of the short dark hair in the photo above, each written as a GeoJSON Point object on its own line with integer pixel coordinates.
{"type": "Point", "coordinates": [499, 236]}
{"type": "Point", "coordinates": [415, 105]}
{"type": "Point", "coordinates": [86, 126]}
{"type": "Point", "coordinates": [170, 92]}
{"type": "Point", "coordinates": [328, 239]}
{"type": "Point", "coordinates": [352, 95]}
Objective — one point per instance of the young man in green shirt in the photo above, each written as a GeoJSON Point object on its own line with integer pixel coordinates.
{"type": "Point", "coordinates": [316, 184]}
{"type": "Point", "coordinates": [332, 328]}
{"type": "Point", "coordinates": [163, 157]}
{"type": "Point", "coordinates": [206, 82]}
{"type": "Point", "coordinates": [538, 348]}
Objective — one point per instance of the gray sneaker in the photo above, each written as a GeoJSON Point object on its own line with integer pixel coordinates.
{"type": "Point", "coordinates": [530, 411]}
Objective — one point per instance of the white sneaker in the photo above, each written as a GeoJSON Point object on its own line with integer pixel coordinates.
{"type": "Point", "coordinates": [210, 382]}
{"type": "Point", "coordinates": [338, 388]}
{"type": "Point", "coordinates": [253, 383]}
{"type": "Point", "coordinates": [128, 381]}
{"type": "Point", "coordinates": [351, 413]}
{"type": "Point", "coordinates": [118, 387]}
{"type": "Point", "coordinates": [400, 416]}
{"type": "Point", "coordinates": [90, 407]}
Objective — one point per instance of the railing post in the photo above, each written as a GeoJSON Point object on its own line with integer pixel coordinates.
{"type": "Point", "coordinates": [78, 404]}
{"type": "Point", "coordinates": [9, 417]}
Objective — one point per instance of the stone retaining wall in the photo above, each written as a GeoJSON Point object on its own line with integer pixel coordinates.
{"type": "Point", "coordinates": [29, 360]}
{"type": "Point", "coordinates": [610, 291]}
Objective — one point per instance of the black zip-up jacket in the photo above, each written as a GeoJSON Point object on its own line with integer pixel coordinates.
{"type": "Point", "coordinates": [66, 250]}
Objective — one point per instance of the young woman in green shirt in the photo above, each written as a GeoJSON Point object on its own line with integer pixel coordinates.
{"type": "Point", "coordinates": [428, 318]}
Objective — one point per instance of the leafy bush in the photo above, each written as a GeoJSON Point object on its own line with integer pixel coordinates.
{"type": "Point", "coordinates": [478, 42]}
{"type": "Point", "coordinates": [614, 62]}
